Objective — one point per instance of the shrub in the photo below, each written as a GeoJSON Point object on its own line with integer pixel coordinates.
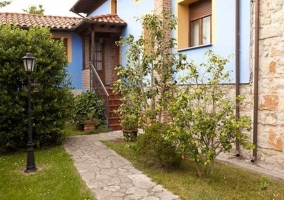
{"type": "Point", "coordinates": [204, 120]}
{"type": "Point", "coordinates": [52, 101]}
{"type": "Point", "coordinates": [86, 103]}
{"type": "Point", "coordinates": [155, 149]}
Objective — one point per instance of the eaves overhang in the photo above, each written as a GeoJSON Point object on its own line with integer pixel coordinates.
{"type": "Point", "coordinates": [86, 6]}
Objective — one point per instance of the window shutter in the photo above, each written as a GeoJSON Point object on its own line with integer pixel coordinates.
{"type": "Point", "coordinates": [200, 9]}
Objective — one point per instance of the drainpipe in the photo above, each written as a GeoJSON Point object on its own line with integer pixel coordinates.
{"type": "Point", "coordinates": [237, 42]}
{"type": "Point", "coordinates": [256, 68]}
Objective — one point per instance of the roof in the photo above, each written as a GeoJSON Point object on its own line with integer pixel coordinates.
{"type": "Point", "coordinates": [86, 6]}
{"type": "Point", "coordinates": [109, 18]}
{"type": "Point", "coordinates": [25, 20]}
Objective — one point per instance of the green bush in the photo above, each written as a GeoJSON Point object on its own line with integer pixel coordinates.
{"type": "Point", "coordinates": [86, 103]}
{"type": "Point", "coordinates": [153, 147]}
{"type": "Point", "coordinates": [52, 100]}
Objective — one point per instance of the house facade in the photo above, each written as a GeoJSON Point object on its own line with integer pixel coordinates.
{"type": "Point", "coordinates": [249, 31]}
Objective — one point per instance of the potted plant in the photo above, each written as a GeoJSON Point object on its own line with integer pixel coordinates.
{"type": "Point", "coordinates": [129, 124]}
{"type": "Point", "coordinates": [91, 123]}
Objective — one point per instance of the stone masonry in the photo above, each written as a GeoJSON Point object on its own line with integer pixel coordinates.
{"type": "Point", "coordinates": [270, 134]}
{"type": "Point", "coordinates": [271, 82]}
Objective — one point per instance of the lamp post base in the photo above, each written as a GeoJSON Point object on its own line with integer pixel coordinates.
{"type": "Point", "coordinates": [31, 167]}
{"type": "Point", "coordinates": [30, 170]}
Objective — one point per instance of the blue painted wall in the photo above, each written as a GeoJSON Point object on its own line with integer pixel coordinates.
{"type": "Point", "coordinates": [225, 37]}
{"type": "Point", "coordinates": [103, 9]}
{"type": "Point", "coordinates": [75, 67]}
{"type": "Point", "coordinates": [128, 10]}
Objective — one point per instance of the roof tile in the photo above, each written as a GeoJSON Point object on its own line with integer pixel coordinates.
{"type": "Point", "coordinates": [109, 18]}
{"type": "Point", "coordinates": [53, 22]}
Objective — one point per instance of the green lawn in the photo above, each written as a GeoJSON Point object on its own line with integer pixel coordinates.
{"type": "Point", "coordinates": [227, 182]}
{"type": "Point", "coordinates": [56, 178]}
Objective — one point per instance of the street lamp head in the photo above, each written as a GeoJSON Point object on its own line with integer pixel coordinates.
{"type": "Point", "coordinates": [29, 62]}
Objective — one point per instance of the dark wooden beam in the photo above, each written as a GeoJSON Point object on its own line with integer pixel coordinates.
{"type": "Point", "coordinates": [107, 29]}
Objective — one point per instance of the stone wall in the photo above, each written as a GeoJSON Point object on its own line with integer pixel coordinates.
{"type": "Point", "coordinates": [270, 133]}
{"type": "Point", "coordinates": [271, 83]}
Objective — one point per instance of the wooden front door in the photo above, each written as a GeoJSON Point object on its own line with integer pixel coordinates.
{"type": "Point", "coordinates": [98, 60]}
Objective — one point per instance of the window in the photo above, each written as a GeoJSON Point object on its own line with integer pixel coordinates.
{"type": "Point", "coordinates": [200, 23]}
{"type": "Point", "coordinates": [196, 20]}
{"type": "Point", "coordinates": [67, 44]}
{"type": "Point", "coordinates": [99, 55]}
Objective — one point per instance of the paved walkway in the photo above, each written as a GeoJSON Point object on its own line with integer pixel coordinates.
{"type": "Point", "coordinates": [111, 177]}
{"type": "Point", "coordinates": [107, 174]}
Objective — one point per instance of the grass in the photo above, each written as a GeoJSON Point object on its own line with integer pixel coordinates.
{"type": "Point", "coordinates": [227, 182]}
{"type": "Point", "coordinates": [56, 178]}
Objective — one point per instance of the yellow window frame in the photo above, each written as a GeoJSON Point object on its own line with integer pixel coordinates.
{"type": "Point", "coordinates": [69, 44]}
{"type": "Point", "coordinates": [182, 30]}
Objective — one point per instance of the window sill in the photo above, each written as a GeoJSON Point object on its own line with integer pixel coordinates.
{"type": "Point", "coordinates": [195, 47]}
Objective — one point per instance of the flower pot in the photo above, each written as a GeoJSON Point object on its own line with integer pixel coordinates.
{"type": "Point", "coordinates": [130, 135]}
{"type": "Point", "coordinates": [88, 127]}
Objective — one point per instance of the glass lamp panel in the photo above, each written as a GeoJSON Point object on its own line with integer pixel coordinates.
{"type": "Point", "coordinates": [29, 65]}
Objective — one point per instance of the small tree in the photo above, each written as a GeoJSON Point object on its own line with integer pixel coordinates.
{"type": "Point", "coordinates": [146, 81]}
{"type": "Point", "coordinates": [52, 99]}
{"type": "Point", "coordinates": [204, 123]}
{"type": "Point", "coordinates": [35, 10]}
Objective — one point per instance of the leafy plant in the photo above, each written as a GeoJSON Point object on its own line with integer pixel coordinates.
{"type": "Point", "coordinates": [4, 3]}
{"type": "Point", "coordinates": [91, 120]}
{"type": "Point", "coordinates": [145, 82]}
{"type": "Point", "coordinates": [52, 100]}
{"type": "Point", "coordinates": [265, 182]}
{"type": "Point", "coordinates": [129, 122]}
{"type": "Point", "coordinates": [204, 122]}
{"type": "Point", "coordinates": [155, 149]}
{"type": "Point", "coordinates": [35, 10]}
{"type": "Point", "coordinates": [203, 119]}
{"type": "Point", "coordinates": [88, 104]}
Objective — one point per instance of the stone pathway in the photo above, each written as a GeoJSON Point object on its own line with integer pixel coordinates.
{"type": "Point", "coordinates": [107, 174]}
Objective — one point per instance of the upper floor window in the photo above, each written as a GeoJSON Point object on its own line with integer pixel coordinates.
{"type": "Point", "coordinates": [194, 26]}
{"type": "Point", "coordinates": [200, 23]}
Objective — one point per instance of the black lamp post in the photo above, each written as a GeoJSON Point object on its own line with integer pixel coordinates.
{"type": "Point", "coordinates": [29, 62]}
